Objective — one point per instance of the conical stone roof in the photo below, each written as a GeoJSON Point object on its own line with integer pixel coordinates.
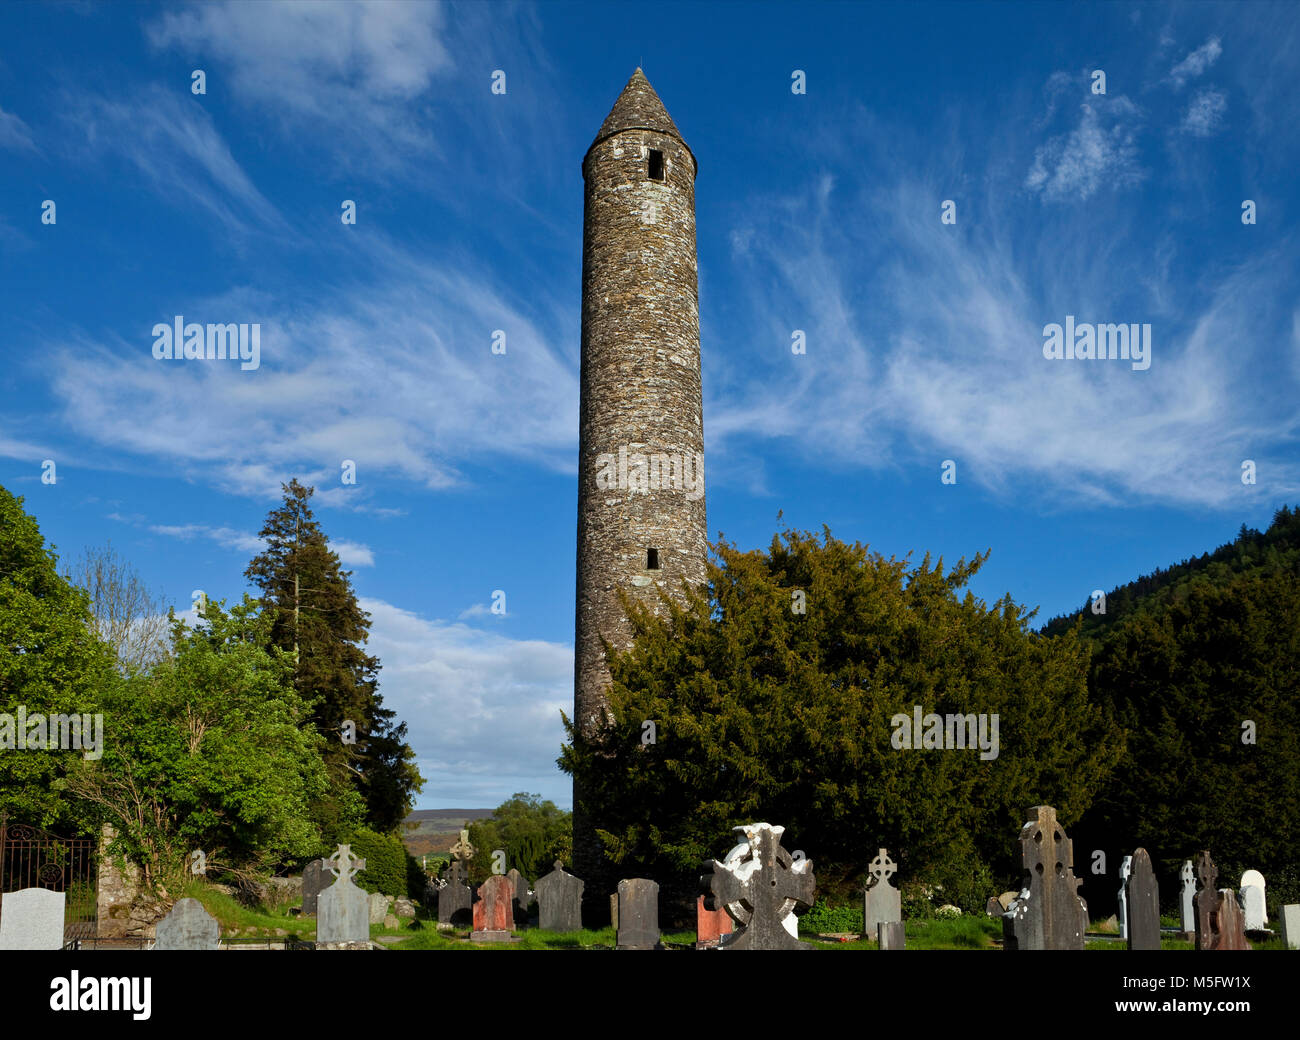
{"type": "Point", "coordinates": [638, 108]}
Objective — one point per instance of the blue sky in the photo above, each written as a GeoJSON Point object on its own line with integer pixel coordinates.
{"type": "Point", "coordinates": [818, 212]}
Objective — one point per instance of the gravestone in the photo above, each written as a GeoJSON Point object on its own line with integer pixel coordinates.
{"type": "Point", "coordinates": [760, 885]}
{"type": "Point", "coordinates": [378, 907]}
{"type": "Point", "coordinates": [188, 927]}
{"type": "Point", "coordinates": [462, 851]}
{"type": "Point", "coordinates": [1143, 904]}
{"type": "Point", "coordinates": [1006, 899]}
{"type": "Point", "coordinates": [522, 896]}
{"type": "Point", "coordinates": [314, 879]}
{"type": "Point", "coordinates": [1125, 868]}
{"type": "Point", "coordinates": [638, 915]}
{"type": "Point", "coordinates": [32, 919]}
{"type": "Point", "coordinates": [1186, 912]}
{"type": "Point", "coordinates": [890, 935]}
{"type": "Point", "coordinates": [881, 903]}
{"type": "Point", "coordinates": [994, 907]}
{"type": "Point", "coordinates": [1252, 908]}
{"type": "Point", "coordinates": [1050, 914]}
{"type": "Point", "coordinates": [1219, 921]}
{"type": "Point", "coordinates": [1291, 926]}
{"type": "Point", "coordinates": [1254, 877]}
{"type": "Point", "coordinates": [710, 925]}
{"type": "Point", "coordinates": [343, 910]}
{"type": "Point", "coordinates": [613, 911]}
{"type": "Point", "coordinates": [493, 910]}
{"type": "Point", "coordinates": [559, 901]}
{"type": "Point", "coordinates": [455, 898]}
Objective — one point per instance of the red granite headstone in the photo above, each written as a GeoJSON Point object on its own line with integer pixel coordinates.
{"type": "Point", "coordinates": [710, 925]}
{"type": "Point", "coordinates": [493, 910]}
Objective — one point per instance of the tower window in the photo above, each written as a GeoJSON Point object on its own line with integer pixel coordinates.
{"type": "Point", "coordinates": [652, 559]}
{"type": "Point", "coordinates": [656, 165]}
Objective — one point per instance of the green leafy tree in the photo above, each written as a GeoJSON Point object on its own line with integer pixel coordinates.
{"type": "Point", "coordinates": [211, 750]}
{"type": "Point", "coordinates": [50, 662]}
{"type": "Point", "coordinates": [315, 617]}
{"type": "Point", "coordinates": [766, 713]}
{"type": "Point", "coordinates": [533, 833]}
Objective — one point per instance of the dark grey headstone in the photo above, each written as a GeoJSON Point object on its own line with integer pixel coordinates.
{"type": "Point", "coordinates": [993, 907]}
{"type": "Point", "coordinates": [522, 896]}
{"type": "Point", "coordinates": [455, 898]}
{"type": "Point", "coordinates": [1052, 916]}
{"type": "Point", "coordinates": [188, 927]}
{"type": "Point", "coordinates": [760, 885]}
{"type": "Point", "coordinates": [315, 879]}
{"type": "Point", "coordinates": [881, 903]}
{"type": "Point", "coordinates": [1143, 904]}
{"type": "Point", "coordinates": [559, 901]}
{"type": "Point", "coordinates": [891, 935]}
{"type": "Point", "coordinates": [32, 919]}
{"type": "Point", "coordinates": [638, 914]}
{"type": "Point", "coordinates": [1220, 924]}
{"type": "Point", "coordinates": [1121, 914]}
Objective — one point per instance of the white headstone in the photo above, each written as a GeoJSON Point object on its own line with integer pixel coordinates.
{"type": "Point", "coordinates": [1252, 905]}
{"type": "Point", "coordinates": [1125, 869]}
{"type": "Point", "coordinates": [32, 919]}
{"type": "Point", "coordinates": [1291, 926]}
{"type": "Point", "coordinates": [1187, 914]}
{"type": "Point", "coordinates": [1254, 877]}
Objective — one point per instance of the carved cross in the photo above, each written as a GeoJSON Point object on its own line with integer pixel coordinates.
{"type": "Point", "coordinates": [1186, 874]}
{"type": "Point", "coordinates": [757, 882]}
{"type": "Point", "coordinates": [343, 864]}
{"type": "Point", "coordinates": [1206, 872]}
{"type": "Point", "coordinates": [882, 868]}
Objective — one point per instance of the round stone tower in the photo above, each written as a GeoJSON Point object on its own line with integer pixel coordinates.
{"type": "Point", "coordinates": [641, 521]}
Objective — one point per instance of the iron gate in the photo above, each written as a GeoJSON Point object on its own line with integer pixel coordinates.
{"type": "Point", "coordinates": [33, 858]}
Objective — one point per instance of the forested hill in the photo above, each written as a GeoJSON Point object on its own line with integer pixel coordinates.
{"type": "Point", "coordinates": [1262, 553]}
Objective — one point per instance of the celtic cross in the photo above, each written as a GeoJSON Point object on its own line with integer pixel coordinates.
{"type": "Point", "coordinates": [343, 864]}
{"type": "Point", "coordinates": [1206, 872]}
{"type": "Point", "coordinates": [882, 868]}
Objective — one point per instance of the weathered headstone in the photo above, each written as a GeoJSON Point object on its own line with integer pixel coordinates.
{"type": "Point", "coordinates": [994, 907]}
{"type": "Point", "coordinates": [638, 914]}
{"type": "Point", "coordinates": [522, 898]}
{"type": "Point", "coordinates": [378, 907]}
{"type": "Point", "coordinates": [1252, 908]}
{"type": "Point", "coordinates": [188, 927]}
{"type": "Point", "coordinates": [462, 851]}
{"type": "Point", "coordinates": [1143, 904]}
{"type": "Point", "coordinates": [1291, 926]}
{"type": "Point", "coordinates": [613, 911]}
{"type": "Point", "coordinates": [760, 885]}
{"type": "Point", "coordinates": [881, 903]}
{"type": "Point", "coordinates": [32, 919]}
{"type": "Point", "coordinates": [455, 898]}
{"type": "Point", "coordinates": [1254, 877]}
{"type": "Point", "coordinates": [343, 909]}
{"type": "Point", "coordinates": [1121, 915]}
{"type": "Point", "coordinates": [1186, 912]}
{"type": "Point", "coordinates": [890, 935]}
{"type": "Point", "coordinates": [1219, 921]}
{"type": "Point", "coordinates": [493, 910]}
{"type": "Point", "coordinates": [1050, 914]}
{"type": "Point", "coordinates": [559, 901]}
{"type": "Point", "coordinates": [314, 879]}
{"type": "Point", "coordinates": [710, 925]}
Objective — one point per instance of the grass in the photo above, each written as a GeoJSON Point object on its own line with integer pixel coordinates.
{"type": "Point", "coordinates": [429, 937]}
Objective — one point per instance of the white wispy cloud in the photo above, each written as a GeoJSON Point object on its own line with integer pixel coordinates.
{"type": "Point", "coordinates": [353, 554]}
{"type": "Point", "coordinates": [1100, 152]}
{"type": "Point", "coordinates": [1196, 62]}
{"type": "Point", "coordinates": [482, 710]}
{"type": "Point", "coordinates": [14, 133]}
{"type": "Point", "coordinates": [226, 536]}
{"type": "Point", "coordinates": [1205, 114]}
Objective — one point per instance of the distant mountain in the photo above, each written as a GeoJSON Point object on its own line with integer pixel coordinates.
{"type": "Point", "coordinates": [1275, 550]}
{"type": "Point", "coordinates": [434, 831]}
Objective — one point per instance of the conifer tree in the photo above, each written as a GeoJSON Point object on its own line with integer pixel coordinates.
{"type": "Point", "coordinates": [316, 618]}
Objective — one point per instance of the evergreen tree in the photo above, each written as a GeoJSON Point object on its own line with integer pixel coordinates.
{"type": "Point", "coordinates": [316, 618]}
